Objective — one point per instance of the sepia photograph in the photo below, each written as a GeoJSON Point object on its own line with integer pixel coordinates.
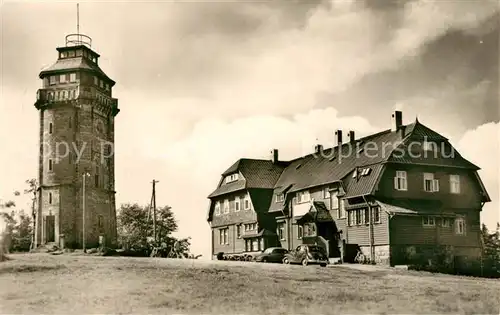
{"type": "Point", "coordinates": [250, 157]}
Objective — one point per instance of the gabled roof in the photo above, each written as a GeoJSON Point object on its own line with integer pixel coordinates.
{"type": "Point", "coordinates": [256, 173]}
{"type": "Point", "coordinates": [75, 63]}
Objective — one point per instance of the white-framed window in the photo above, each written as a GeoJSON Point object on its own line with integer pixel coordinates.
{"type": "Point", "coordinates": [430, 184]}
{"type": "Point", "coordinates": [217, 208]}
{"type": "Point", "coordinates": [280, 197]}
{"type": "Point", "coordinates": [52, 80]}
{"type": "Point", "coordinates": [366, 171]}
{"type": "Point", "coordinates": [226, 206]}
{"type": "Point", "coordinates": [445, 222]}
{"type": "Point", "coordinates": [365, 216]}
{"type": "Point", "coordinates": [428, 221]}
{"type": "Point", "coordinates": [358, 216]}
{"type": "Point", "coordinates": [341, 208]}
{"type": "Point", "coordinates": [72, 77]}
{"type": "Point", "coordinates": [309, 229]}
{"type": "Point", "coordinates": [251, 227]}
{"type": "Point", "coordinates": [303, 196]}
{"type": "Point", "coordinates": [237, 204]}
{"type": "Point", "coordinates": [281, 231]}
{"type": "Point", "coordinates": [300, 232]}
{"type": "Point", "coordinates": [376, 214]}
{"type": "Point", "coordinates": [460, 226]}
{"type": "Point", "coordinates": [326, 192]}
{"type": "Point", "coordinates": [400, 181]}
{"type": "Point", "coordinates": [224, 236]}
{"type": "Point", "coordinates": [454, 184]}
{"type": "Point", "coordinates": [247, 203]}
{"type": "Point", "coordinates": [62, 78]}
{"type": "Point", "coordinates": [334, 200]}
{"type": "Point", "coordinates": [232, 178]}
{"type": "Point", "coordinates": [238, 231]}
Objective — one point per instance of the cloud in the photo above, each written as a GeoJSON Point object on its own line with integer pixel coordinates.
{"type": "Point", "coordinates": [481, 146]}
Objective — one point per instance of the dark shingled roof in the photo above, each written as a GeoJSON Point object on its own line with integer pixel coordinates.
{"type": "Point", "coordinates": [412, 207]}
{"type": "Point", "coordinates": [338, 164]}
{"type": "Point", "coordinates": [256, 173]}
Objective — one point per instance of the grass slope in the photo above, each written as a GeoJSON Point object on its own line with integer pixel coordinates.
{"type": "Point", "coordinates": [44, 284]}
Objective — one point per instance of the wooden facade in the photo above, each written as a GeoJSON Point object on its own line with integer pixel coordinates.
{"type": "Point", "coordinates": [383, 205]}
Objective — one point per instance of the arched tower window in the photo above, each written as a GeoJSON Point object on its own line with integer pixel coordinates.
{"type": "Point", "coordinates": [50, 197]}
{"type": "Point", "coordinates": [50, 164]}
{"type": "Point", "coordinates": [50, 128]}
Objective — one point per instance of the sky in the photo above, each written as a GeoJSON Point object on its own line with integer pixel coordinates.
{"type": "Point", "coordinates": [201, 84]}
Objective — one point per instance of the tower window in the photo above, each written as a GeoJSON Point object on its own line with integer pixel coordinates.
{"type": "Point", "coordinates": [71, 53]}
{"type": "Point", "coordinates": [78, 52]}
{"type": "Point", "coordinates": [50, 197]}
{"type": "Point", "coordinates": [72, 77]}
{"type": "Point", "coordinates": [62, 78]}
{"type": "Point", "coordinates": [62, 55]}
{"type": "Point", "coordinates": [96, 176]}
{"type": "Point", "coordinates": [50, 165]}
{"type": "Point", "coordinates": [52, 80]}
{"type": "Point", "coordinates": [50, 128]}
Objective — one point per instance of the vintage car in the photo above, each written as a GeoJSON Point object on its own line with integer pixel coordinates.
{"type": "Point", "coordinates": [271, 254]}
{"type": "Point", "coordinates": [307, 255]}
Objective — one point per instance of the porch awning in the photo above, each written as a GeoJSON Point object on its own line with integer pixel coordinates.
{"type": "Point", "coordinates": [318, 212]}
{"type": "Point", "coordinates": [259, 234]}
{"type": "Point", "coordinates": [411, 208]}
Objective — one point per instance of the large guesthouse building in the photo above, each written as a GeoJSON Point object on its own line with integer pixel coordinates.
{"type": "Point", "coordinates": [395, 195]}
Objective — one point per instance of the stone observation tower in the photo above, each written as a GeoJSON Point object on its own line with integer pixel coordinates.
{"type": "Point", "coordinates": [77, 117]}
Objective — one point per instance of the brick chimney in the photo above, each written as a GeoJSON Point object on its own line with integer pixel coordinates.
{"type": "Point", "coordinates": [352, 136]}
{"type": "Point", "coordinates": [274, 155]}
{"type": "Point", "coordinates": [397, 120]}
{"type": "Point", "coordinates": [338, 133]}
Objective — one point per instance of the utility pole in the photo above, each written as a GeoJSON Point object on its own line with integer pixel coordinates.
{"type": "Point", "coordinates": [154, 210]}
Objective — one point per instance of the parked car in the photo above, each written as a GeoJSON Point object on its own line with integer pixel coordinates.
{"type": "Point", "coordinates": [307, 255]}
{"type": "Point", "coordinates": [271, 254]}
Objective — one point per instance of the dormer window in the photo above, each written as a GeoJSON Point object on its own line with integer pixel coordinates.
{"type": "Point", "coordinates": [280, 198]}
{"type": "Point", "coordinates": [52, 80]}
{"type": "Point", "coordinates": [72, 77]}
{"type": "Point", "coordinates": [303, 196]}
{"type": "Point", "coordinates": [366, 171]}
{"type": "Point", "coordinates": [232, 178]}
{"type": "Point", "coordinates": [62, 78]}
{"type": "Point", "coordinates": [217, 208]}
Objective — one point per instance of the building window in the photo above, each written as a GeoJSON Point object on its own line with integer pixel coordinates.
{"type": "Point", "coordinates": [376, 214]}
{"type": "Point", "coordinates": [52, 80]}
{"type": "Point", "coordinates": [62, 78]}
{"type": "Point", "coordinates": [100, 222]}
{"type": "Point", "coordinates": [326, 193]}
{"type": "Point", "coordinates": [280, 198]}
{"type": "Point", "coordinates": [300, 232]}
{"type": "Point", "coordinates": [101, 84]}
{"type": "Point", "coordinates": [224, 236]}
{"type": "Point", "coordinates": [281, 231]}
{"type": "Point", "coordinates": [428, 221]}
{"type": "Point", "coordinates": [238, 231]}
{"type": "Point", "coordinates": [250, 227]}
{"type": "Point", "coordinates": [71, 53]}
{"type": "Point", "coordinates": [50, 198]}
{"type": "Point", "coordinates": [400, 182]}
{"type": "Point", "coordinates": [107, 87]}
{"type": "Point", "coordinates": [232, 178]}
{"type": "Point", "coordinates": [50, 165]}
{"type": "Point", "coordinates": [237, 205]}
{"type": "Point", "coordinates": [217, 208]}
{"type": "Point", "coordinates": [303, 196]}
{"type": "Point", "coordinates": [445, 222]}
{"type": "Point", "coordinates": [96, 176]}
{"type": "Point", "coordinates": [247, 203]}
{"type": "Point", "coordinates": [460, 226]}
{"type": "Point", "coordinates": [366, 216]}
{"type": "Point", "coordinates": [72, 77]}
{"type": "Point", "coordinates": [96, 81]}
{"type": "Point", "coordinates": [226, 206]}
{"type": "Point", "coordinates": [430, 184]}
{"type": "Point", "coordinates": [309, 229]}
{"type": "Point", "coordinates": [62, 55]}
{"type": "Point", "coordinates": [50, 128]}
{"type": "Point", "coordinates": [454, 184]}
{"type": "Point", "coordinates": [358, 216]}
{"type": "Point", "coordinates": [334, 200]}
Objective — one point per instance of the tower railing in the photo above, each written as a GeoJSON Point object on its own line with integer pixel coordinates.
{"type": "Point", "coordinates": [78, 40]}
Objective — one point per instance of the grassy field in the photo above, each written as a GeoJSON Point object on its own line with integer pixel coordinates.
{"type": "Point", "coordinates": [45, 284]}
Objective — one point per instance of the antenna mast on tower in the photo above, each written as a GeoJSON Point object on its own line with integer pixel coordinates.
{"type": "Point", "coordinates": [78, 39]}
{"type": "Point", "coordinates": [78, 18]}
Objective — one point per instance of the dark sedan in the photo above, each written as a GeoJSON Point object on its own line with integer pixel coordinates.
{"type": "Point", "coordinates": [271, 254]}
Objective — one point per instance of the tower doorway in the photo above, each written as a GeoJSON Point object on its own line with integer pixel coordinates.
{"type": "Point", "coordinates": [50, 228]}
